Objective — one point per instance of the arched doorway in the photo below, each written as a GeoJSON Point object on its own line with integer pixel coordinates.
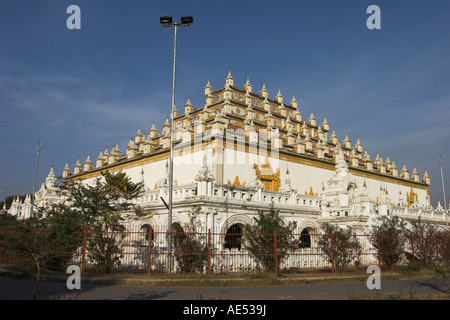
{"type": "Point", "coordinates": [177, 234]}
{"type": "Point", "coordinates": [147, 228]}
{"type": "Point", "coordinates": [305, 239]}
{"type": "Point", "coordinates": [233, 236]}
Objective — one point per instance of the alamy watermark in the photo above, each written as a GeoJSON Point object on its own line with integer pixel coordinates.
{"type": "Point", "coordinates": [374, 21]}
{"type": "Point", "coordinates": [74, 280]}
{"type": "Point", "coordinates": [374, 281]}
{"type": "Point", "coordinates": [74, 20]}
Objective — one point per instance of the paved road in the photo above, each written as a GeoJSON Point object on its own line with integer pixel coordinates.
{"type": "Point", "coordinates": [22, 290]}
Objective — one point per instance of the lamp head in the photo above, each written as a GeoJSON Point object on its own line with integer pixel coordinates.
{"type": "Point", "coordinates": [187, 20]}
{"type": "Point", "coordinates": [165, 20]}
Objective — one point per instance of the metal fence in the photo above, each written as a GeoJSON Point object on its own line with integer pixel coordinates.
{"type": "Point", "coordinates": [145, 251]}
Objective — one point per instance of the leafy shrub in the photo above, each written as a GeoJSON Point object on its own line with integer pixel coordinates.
{"type": "Point", "coordinates": [340, 246]}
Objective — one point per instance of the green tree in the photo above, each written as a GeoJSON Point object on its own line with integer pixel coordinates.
{"type": "Point", "coordinates": [269, 239]}
{"type": "Point", "coordinates": [424, 242]}
{"type": "Point", "coordinates": [46, 238]}
{"type": "Point", "coordinates": [340, 246]}
{"type": "Point", "coordinates": [6, 220]}
{"type": "Point", "coordinates": [37, 238]}
{"type": "Point", "coordinates": [190, 246]}
{"type": "Point", "coordinates": [51, 236]}
{"type": "Point", "coordinates": [103, 206]}
{"type": "Point", "coordinates": [387, 236]}
{"type": "Point", "coordinates": [443, 245]}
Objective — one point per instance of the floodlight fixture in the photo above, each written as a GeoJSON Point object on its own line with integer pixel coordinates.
{"type": "Point", "coordinates": [187, 20]}
{"type": "Point", "coordinates": [165, 20]}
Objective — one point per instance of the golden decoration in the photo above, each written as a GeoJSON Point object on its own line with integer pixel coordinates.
{"type": "Point", "coordinates": [410, 197]}
{"type": "Point", "coordinates": [270, 179]}
{"type": "Point", "coordinates": [236, 182]}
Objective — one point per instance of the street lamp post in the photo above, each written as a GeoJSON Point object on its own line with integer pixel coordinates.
{"type": "Point", "coordinates": [166, 21]}
{"type": "Point", "coordinates": [443, 190]}
{"type": "Point", "coordinates": [38, 151]}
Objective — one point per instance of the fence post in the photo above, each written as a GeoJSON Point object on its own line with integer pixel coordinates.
{"type": "Point", "coordinates": [275, 251]}
{"type": "Point", "coordinates": [332, 251]}
{"type": "Point", "coordinates": [209, 251]}
{"type": "Point", "coordinates": [379, 249]}
{"type": "Point", "coordinates": [83, 258]}
{"type": "Point", "coordinates": [149, 255]}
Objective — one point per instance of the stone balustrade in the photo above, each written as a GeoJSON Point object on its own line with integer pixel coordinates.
{"type": "Point", "coordinates": [233, 193]}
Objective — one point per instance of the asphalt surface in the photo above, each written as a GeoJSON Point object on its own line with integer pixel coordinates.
{"type": "Point", "coordinates": [11, 289]}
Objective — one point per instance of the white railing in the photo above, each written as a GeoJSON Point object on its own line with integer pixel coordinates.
{"type": "Point", "coordinates": [416, 213]}
{"type": "Point", "coordinates": [228, 192]}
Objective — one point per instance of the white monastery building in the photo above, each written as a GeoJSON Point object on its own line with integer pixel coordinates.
{"type": "Point", "coordinates": [242, 151]}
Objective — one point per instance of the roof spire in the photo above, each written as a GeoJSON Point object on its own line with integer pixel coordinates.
{"type": "Point", "coordinates": [66, 170]}
{"type": "Point", "coordinates": [264, 93]}
{"type": "Point", "coordinates": [229, 80]}
{"type": "Point", "coordinates": [279, 97]}
{"type": "Point", "coordinates": [294, 102]}
{"type": "Point", "coordinates": [188, 108]}
{"type": "Point", "coordinates": [248, 86]}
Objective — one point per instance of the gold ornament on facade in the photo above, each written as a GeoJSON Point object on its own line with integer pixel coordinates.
{"type": "Point", "coordinates": [268, 177]}
{"type": "Point", "coordinates": [411, 197]}
{"type": "Point", "coordinates": [236, 182]}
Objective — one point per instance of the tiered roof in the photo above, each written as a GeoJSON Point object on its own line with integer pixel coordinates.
{"type": "Point", "coordinates": [247, 112]}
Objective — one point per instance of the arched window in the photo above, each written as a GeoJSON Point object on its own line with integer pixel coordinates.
{"type": "Point", "coordinates": [305, 239]}
{"type": "Point", "coordinates": [146, 228]}
{"type": "Point", "coordinates": [233, 237]}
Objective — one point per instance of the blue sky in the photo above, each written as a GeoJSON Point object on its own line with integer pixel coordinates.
{"type": "Point", "coordinates": [82, 90]}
